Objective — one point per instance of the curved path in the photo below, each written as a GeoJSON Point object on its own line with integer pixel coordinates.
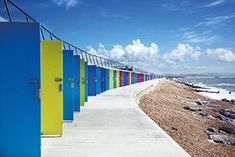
{"type": "Point", "coordinates": [112, 125]}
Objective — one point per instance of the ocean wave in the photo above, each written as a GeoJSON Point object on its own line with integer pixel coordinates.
{"type": "Point", "coordinates": [200, 84]}
{"type": "Point", "coordinates": [224, 84]}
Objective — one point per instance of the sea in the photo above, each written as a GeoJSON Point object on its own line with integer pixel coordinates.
{"type": "Point", "coordinates": [224, 84]}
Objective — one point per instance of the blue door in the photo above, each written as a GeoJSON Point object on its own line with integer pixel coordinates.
{"type": "Point", "coordinates": [68, 85]}
{"type": "Point", "coordinates": [102, 79]}
{"type": "Point", "coordinates": [86, 82]}
{"type": "Point", "coordinates": [129, 78]}
{"type": "Point", "coordinates": [114, 78]}
{"type": "Point", "coordinates": [142, 77]}
{"type": "Point", "coordinates": [106, 79]}
{"type": "Point", "coordinates": [135, 77]}
{"type": "Point", "coordinates": [92, 80]}
{"type": "Point", "coordinates": [20, 133]}
{"type": "Point", "coordinates": [98, 77]}
{"type": "Point", "coordinates": [123, 78]}
{"type": "Point", "coordinates": [76, 74]}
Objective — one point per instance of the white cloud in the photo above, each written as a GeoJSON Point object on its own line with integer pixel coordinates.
{"type": "Point", "coordinates": [221, 54]}
{"type": "Point", "coordinates": [2, 19]}
{"type": "Point", "coordinates": [214, 3]}
{"type": "Point", "coordinates": [196, 55]}
{"type": "Point", "coordinates": [135, 53]}
{"type": "Point", "coordinates": [215, 21]}
{"type": "Point", "coordinates": [67, 3]}
{"type": "Point", "coordinates": [117, 52]}
{"type": "Point", "coordinates": [198, 38]}
{"type": "Point", "coordinates": [91, 50]}
{"type": "Point", "coordinates": [139, 51]}
{"type": "Point", "coordinates": [180, 52]}
{"type": "Point", "coordinates": [101, 50]}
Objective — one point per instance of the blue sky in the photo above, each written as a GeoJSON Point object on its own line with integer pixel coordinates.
{"type": "Point", "coordinates": [162, 36]}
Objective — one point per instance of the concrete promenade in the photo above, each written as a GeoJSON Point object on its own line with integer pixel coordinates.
{"type": "Point", "coordinates": [112, 125]}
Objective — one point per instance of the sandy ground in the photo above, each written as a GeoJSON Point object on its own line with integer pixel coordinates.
{"type": "Point", "coordinates": [165, 105]}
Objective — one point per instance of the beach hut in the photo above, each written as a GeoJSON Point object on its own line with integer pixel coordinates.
{"type": "Point", "coordinates": [117, 79]}
{"type": "Point", "coordinates": [86, 81]}
{"type": "Point", "coordinates": [103, 72]}
{"type": "Point", "coordinates": [139, 77]}
{"type": "Point", "coordinates": [76, 74]}
{"type": "Point", "coordinates": [20, 109]}
{"type": "Point", "coordinates": [92, 80]}
{"type": "Point", "coordinates": [131, 77]}
{"type": "Point", "coordinates": [107, 79]}
{"type": "Point", "coordinates": [120, 78]}
{"type": "Point", "coordinates": [51, 90]}
{"type": "Point", "coordinates": [98, 80]}
{"type": "Point", "coordinates": [143, 77]}
{"type": "Point", "coordinates": [126, 78]}
{"type": "Point", "coordinates": [110, 78]}
{"type": "Point", "coordinates": [68, 85]}
{"type": "Point", "coordinates": [123, 78]}
{"type": "Point", "coordinates": [114, 78]}
{"type": "Point", "coordinates": [82, 82]}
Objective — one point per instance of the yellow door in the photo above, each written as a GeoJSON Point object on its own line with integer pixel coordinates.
{"type": "Point", "coordinates": [82, 82]}
{"type": "Point", "coordinates": [110, 79]}
{"type": "Point", "coordinates": [130, 78]}
{"type": "Point", "coordinates": [117, 78]}
{"type": "Point", "coordinates": [51, 92]}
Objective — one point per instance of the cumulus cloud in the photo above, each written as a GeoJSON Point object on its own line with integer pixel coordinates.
{"type": "Point", "coordinates": [67, 3]}
{"type": "Point", "coordinates": [180, 52]}
{"type": "Point", "coordinates": [134, 53]}
{"type": "Point", "coordinates": [221, 54]}
{"type": "Point", "coordinates": [91, 50]}
{"type": "Point", "coordinates": [139, 51]}
{"type": "Point", "coordinates": [102, 50]}
{"type": "Point", "coordinates": [117, 52]}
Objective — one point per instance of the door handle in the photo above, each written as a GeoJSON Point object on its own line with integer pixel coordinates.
{"type": "Point", "coordinates": [70, 79]}
{"type": "Point", "coordinates": [58, 79]}
{"type": "Point", "coordinates": [37, 94]}
{"type": "Point", "coordinates": [71, 85]}
{"type": "Point", "coordinates": [34, 81]}
{"type": "Point", "coordinates": [60, 88]}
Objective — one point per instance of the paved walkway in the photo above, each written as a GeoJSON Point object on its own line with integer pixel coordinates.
{"type": "Point", "coordinates": [112, 125]}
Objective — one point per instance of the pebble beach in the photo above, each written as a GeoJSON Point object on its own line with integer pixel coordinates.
{"type": "Point", "coordinates": [201, 125]}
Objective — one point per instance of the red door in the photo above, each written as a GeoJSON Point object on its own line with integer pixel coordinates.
{"type": "Point", "coordinates": [120, 79]}
{"type": "Point", "coordinates": [127, 79]}
{"type": "Point", "coordinates": [139, 79]}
